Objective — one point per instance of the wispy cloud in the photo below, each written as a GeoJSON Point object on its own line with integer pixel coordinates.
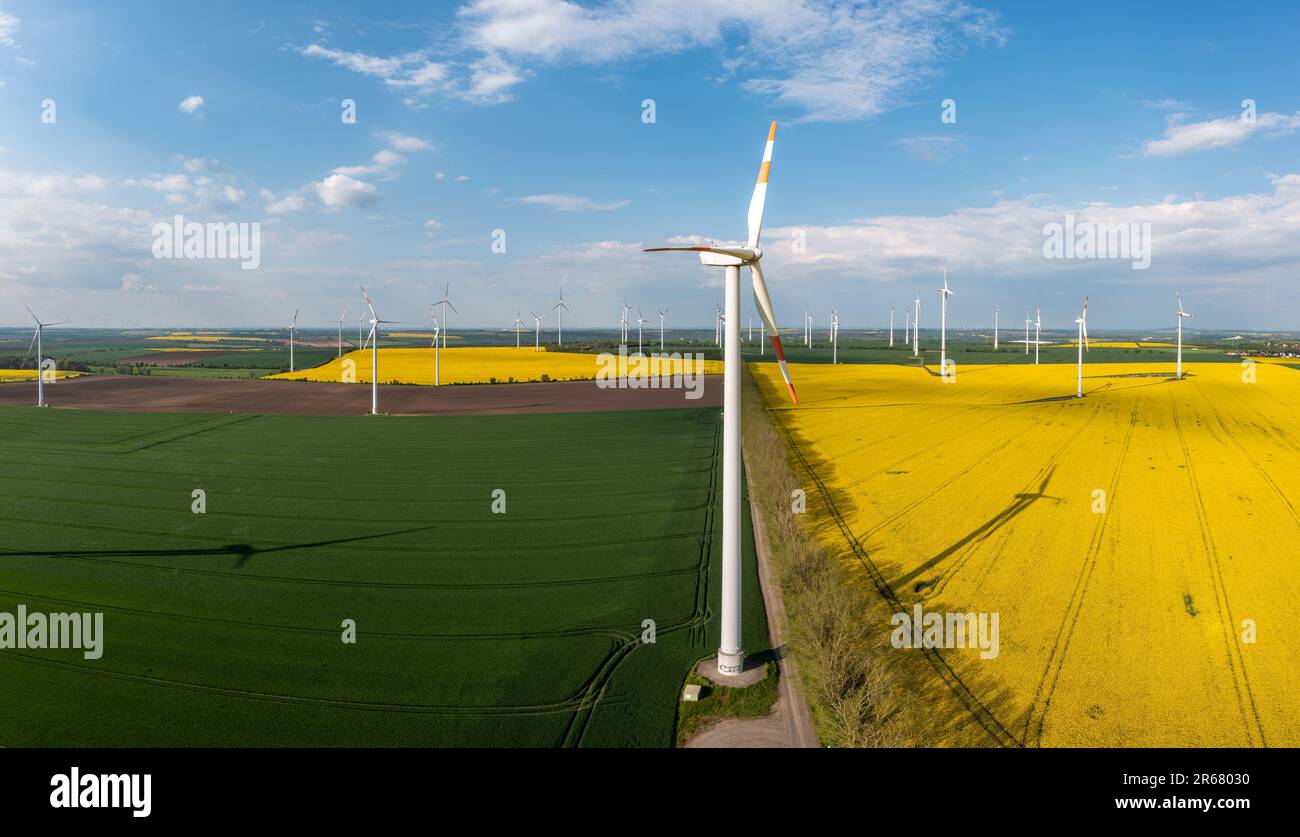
{"type": "Point", "coordinates": [8, 28]}
{"type": "Point", "coordinates": [1183, 138]}
{"type": "Point", "coordinates": [191, 104]}
{"type": "Point", "coordinates": [831, 60]}
{"type": "Point", "coordinates": [571, 203]}
{"type": "Point", "coordinates": [931, 149]}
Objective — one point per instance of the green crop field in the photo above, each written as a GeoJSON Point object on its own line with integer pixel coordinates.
{"type": "Point", "coordinates": [473, 628]}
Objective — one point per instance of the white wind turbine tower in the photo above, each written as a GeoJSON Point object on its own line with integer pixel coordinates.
{"type": "Point", "coordinates": [518, 325]}
{"type": "Point", "coordinates": [293, 326]}
{"type": "Point", "coordinates": [944, 293]}
{"type": "Point", "coordinates": [444, 302]}
{"type": "Point", "coordinates": [373, 339]}
{"type": "Point", "coordinates": [559, 327]}
{"type": "Point", "coordinates": [38, 342]}
{"type": "Point", "coordinates": [907, 328]}
{"type": "Point", "coordinates": [437, 366]}
{"type": "Point", "coordinates": [891, 328]}
{"type": "Point", "coordinates": [663, 317]}
{"type": "Point", "coordinates": [1083, 341]}
{"type": "Point", "coordinates": [835, 336]}
{"type": "Point", "coordinates": [809, 329]}
{"type": "Point", "coordinates": [341, 316]}
{"type": "Point", "coordinates": [731, 656]}
{"type": "Point", "coordinates": [360, 323]}
{"type": "Point", "coordinates": [1028, 323]}
{"type": "Point", "coordinates": [996, 312]}
{"type": "Point", "coordinates": [537, 335]}
{"type": "Point", "coordinates": [916, 329]}
{"type": "Point", "coordinates": [750, 339]}
{"type": "Point", "coordinates": [622, 323]}
{"type": "Point", "coordinates": [640, 323]}
{"type": "Point", "coordinates": [717, 325]}
{"type": "Point", "coordinates": [1038, 330]}
{"type": "Point", "coordinates": [1182, 315]}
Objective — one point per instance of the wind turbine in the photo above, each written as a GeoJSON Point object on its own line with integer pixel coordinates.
{"type": "Point", "coordinates": [907, 328]}
{"type": "Point", "coordinates": [559, 328]}
{"type": "Point", "coordinates": [891, 328]}
{"type": "Point", "coordinates": [341, 316]}
{"type": "Point", "coordinates": [1038, 330]}
{"type": "Point", "coordinates": [996, 311]}
{"type": "Point", "coordinates": [293, 326]}
{"type": "Point", "coordinates": [944, 293]}
{"type": "Point", "coordinates": [916, 329]}
{"type": "Point", "coordinates": [1028, 323]}
{"type": "Point", "coordinates": [663, 317]}
{"type": "Point", "coordinates": [38, 341]}
{"type": "Point", "coordinates": [1082, 320]}
{"type": "Point", "coordinates": [731, 656]}
{"type": "Point", "coordinates": [518, 325]}
{"type": "Point", "coordinates": [835, 336]}
{"type": "Point", "coordinates": [359, 325]}
{"type": "Point", "coordinates": [640, 322]}
{"type": "Point", "coordinates": [717, 325]}
{"type": "Point", "coordinates": [537, 336]}
{"type": "Point", "coordinates": [437, 371]}
{"type": "Point", "coordinates": [808, 327]}
{"type": "Point", "coordinates": [444, 302]}
{"type": "Point", "coordinates": [373, 339]}
{"type": "Point", "coordinates": [1182, 315]}
{"type": "Point", "coordinates": [622, 322]}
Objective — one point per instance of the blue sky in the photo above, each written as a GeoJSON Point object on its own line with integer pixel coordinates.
{"type": "Point", "coordinates": [526, 116]}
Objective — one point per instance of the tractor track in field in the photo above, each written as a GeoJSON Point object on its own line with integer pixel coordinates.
{"type": "Point", "coordinates": [1042, 701]}
{"type": "Point", "coordinates": [559, 633]}
{"type": "Point", "coordinates": [514, 519]}
{"type": "Point", "coordinates": [594, 691]}
{"type": "Point", "coordinates": [564, 706]}
{"type": "Point", "coordinates": [981, 713]}
{"type": "Point", "coordinates": [349, 583]}
{"type": "Point", "coordinates": [941, 583]}
{"type": "Point", "coordinates": [1232, 651]}
{"type": "Point", "coordinates": [283, 546]}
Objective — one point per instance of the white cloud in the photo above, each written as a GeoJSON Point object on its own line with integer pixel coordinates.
{"type": "Point", "coordinates": [48, 185]}
{"type": "Point", "coordinates": [381, 162]}
{"type": "Point", "coordinates": [196, 165]}
{"type": "Point", "coordinates": [167, 183]}
{"type": "Point", "coordinates": [1217, 133]}
{"type": "Point", "coordinates": [833, 60]}
{"type": "Point", "coordinates": [403, 142]}
{"type": "Point", "coordinates": [8, 28]}
{"type": "Point", "coordinates": [132, 283]}
{"type": "Point", "coordinates": [570, 203]}
{"type": "Point", "coordinates": [341, 190]}
{"type": "Point", "coordinates": [286, 205]}
{"type": "Point", "coordinates": [191, 104]}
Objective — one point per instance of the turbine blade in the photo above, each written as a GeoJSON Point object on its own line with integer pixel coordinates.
{"type": "Point", "coordinates": [759, 199]}
{"type": "Point", "coordinates": [33, 343]}
{"type": "Point", "coordinates": [763, 301]}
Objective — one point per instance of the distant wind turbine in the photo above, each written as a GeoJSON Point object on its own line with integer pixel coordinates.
{"type": "Point", "coordinates": [437, 371]}
{"type": "Point", "coordinates": [835, 336]}
{"type": "Point", "coordinates": [518, 325]}
{"type": "Point", "coordinates": [293, 326]}
{"type": "Point", "coordinates": [944, 293]}
{"type": "Point", "coordinates": [537, 336]}
{"type": "Point", "coordinates": [373, 339]}
{"type": "Point", "coordinates": [640, 323]}
{"type": "Point", "coordinates": [1082, 321]}
{"type": "Point", "coordinates": [444, 302]}
{"type": "Point", "coordinates": [996, 312]}
{"type": "Point", "coordinates": [559, 328]}
{"type": "Point", "coordinates": [916, 329]}
{"type": "Point", "coordinates": [341, 316]}
{"type": "Point", "coordinates": [891, 328]}
{"type": "Point", "coordinates": [1182, 315]}
{"type": "Point", "coordinates": [663, 318]}
{"type": "Point", "coordinates": [38, 342]}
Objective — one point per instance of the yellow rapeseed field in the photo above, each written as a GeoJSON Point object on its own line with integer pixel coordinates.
{"type": "Point", "coordinates": [1141, 545]}
{"type": "Point", "coordinates": [7, 375]}
{"type": "Point", "coordinates": [467, 365]}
